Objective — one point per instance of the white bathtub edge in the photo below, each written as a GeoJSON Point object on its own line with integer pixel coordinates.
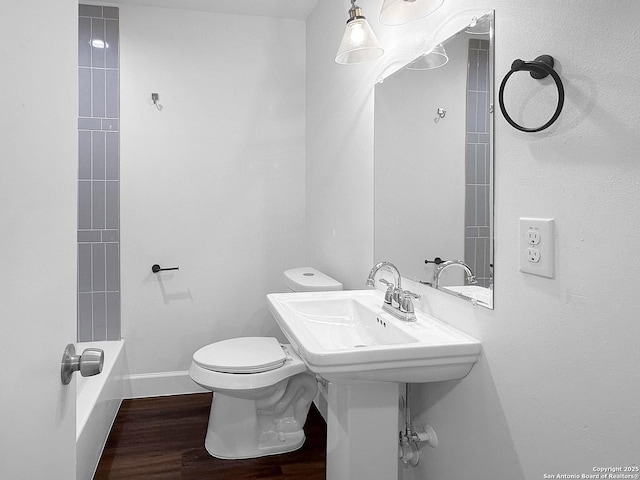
{"type": "Point", "coordinates": [105, 397]}
{"type": "Point", "coordinates": [161, 384]}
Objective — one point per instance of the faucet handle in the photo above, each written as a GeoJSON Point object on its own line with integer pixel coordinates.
{"type": "Point", "coordinates": [406, 303]}
{"type": "Point", "coordinates": [393, 293]}
{"type": "Point", "coordinates": [388, 296]}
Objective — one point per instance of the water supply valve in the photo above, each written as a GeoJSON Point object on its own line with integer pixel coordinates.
{"type": "Point", "coordinates": [411, 443]}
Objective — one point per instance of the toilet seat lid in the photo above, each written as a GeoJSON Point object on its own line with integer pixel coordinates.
{"type": "Point", "coordinates": [241, 355]}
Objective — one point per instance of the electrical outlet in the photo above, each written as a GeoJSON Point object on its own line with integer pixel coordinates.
{"type": "Point", "coordinates": [533, 236]}
{"type": "Point", "coordinates": [537, 239]}
{"type": "Point", "coordinates": [533, 255]}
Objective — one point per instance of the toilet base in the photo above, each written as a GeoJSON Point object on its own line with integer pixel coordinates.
{"type": "Point", "coordinates": [216, 448]}
{"type": "Point", "coordinates": [237, 431]}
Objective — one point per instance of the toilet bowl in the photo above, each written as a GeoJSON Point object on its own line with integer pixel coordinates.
{"type": "Point", "coordinates": [262, 390]}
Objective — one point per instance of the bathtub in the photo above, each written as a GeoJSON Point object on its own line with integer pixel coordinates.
{"type": "Point", "coordinates": [98, 399]}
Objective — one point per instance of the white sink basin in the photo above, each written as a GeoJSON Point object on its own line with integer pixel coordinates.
{"type": "Point", "coordinates": [346, 337]}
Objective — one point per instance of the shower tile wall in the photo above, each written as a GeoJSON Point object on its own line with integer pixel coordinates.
{"type": "Point", "coordinates": [478, 168]}
{"type": "Point", "coordinates": [98, 175]}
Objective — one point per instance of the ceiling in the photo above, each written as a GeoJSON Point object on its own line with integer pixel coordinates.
{"type": "Point", "coordinates": [293, 9]}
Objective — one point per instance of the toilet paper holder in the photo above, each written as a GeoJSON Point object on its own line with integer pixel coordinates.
{"type": "Point", "coordinates": [157, 268]}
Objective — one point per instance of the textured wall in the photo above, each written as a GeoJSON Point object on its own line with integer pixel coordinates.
{"type": "Point", "coordinates": [556, 389]}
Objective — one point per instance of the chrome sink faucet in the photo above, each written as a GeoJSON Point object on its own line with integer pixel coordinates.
{"type": "Point", "coordinates": [397, 302]}
{"type": "Point", "coordinates": [471, 279]}
{"type": "Point", "coordinates": [393, 290]}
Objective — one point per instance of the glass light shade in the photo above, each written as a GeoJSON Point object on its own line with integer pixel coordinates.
{"type": "Point", "coordinates": [359, 43]}
{"type": "Point", "coordinates": [433, 59]}
{"type": "Point", "coordinates": [399, 12]}
{"type": "Point", "coordinates": [479, 26]}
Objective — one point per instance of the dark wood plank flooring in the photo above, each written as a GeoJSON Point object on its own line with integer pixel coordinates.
{"type": "Point", "coordinates": [162, 438]}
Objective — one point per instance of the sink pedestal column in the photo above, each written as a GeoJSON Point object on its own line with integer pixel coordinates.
{"type": "Point", "coordinates": [362, 431]}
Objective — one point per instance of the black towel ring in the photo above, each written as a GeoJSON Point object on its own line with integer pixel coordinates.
{"type": "Point", "coordinates": [538, 69]}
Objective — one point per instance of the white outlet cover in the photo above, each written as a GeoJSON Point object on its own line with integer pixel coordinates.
{"type": "Point", "coordinates": [545, 229]}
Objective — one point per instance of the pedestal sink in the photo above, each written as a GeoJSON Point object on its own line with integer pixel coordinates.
{"type": "Point", "coordinates": [364, 353]}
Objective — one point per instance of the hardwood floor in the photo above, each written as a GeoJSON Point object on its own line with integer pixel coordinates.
{"type": "Point", "coordinates": [162, 438]}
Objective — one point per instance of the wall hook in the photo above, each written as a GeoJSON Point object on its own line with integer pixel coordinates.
{"type": "Point", "coordinates": [155, 97]}
{"type": "Point", "coordinates": [441, 112]}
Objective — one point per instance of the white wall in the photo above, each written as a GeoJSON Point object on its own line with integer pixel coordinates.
{"type": "Point", "coordinates": [213, 183]}
{"type": "Point", "coordinates": [556, 390]}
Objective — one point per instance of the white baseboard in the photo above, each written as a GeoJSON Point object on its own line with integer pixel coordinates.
{"type": "Point", "coordinates": [160, 384]}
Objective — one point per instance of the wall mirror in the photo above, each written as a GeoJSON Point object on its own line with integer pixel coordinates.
{"type": "Point", "coordinates": [434, 165]}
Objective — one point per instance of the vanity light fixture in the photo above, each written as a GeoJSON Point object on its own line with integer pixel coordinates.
{"type": "Point", "coordinates": [399, 12]}
{"type": "Point", "coordinates": [434, 58]}
{"type": "Point", "coordinates": [359, 43]}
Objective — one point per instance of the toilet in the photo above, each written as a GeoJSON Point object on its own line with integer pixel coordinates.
{"type": "Point", "coordinates": [262, 389]}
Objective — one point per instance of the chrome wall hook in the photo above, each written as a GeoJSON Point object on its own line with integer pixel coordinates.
{"type": "Point", "coordinates": [441, 113]}
{"type": "Point", "coordinates": [155, 97]}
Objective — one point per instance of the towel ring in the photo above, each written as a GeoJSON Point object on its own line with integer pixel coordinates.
{"type": "Point", "coordinates": [540, 68]}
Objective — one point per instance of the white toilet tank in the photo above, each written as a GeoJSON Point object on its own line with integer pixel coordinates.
{"type": "Point", "coordinates": [308, 279]}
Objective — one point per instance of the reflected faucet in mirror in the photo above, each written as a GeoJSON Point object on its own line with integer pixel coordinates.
{"type": "Point", "coordinates": [397, 302]}
{"type": "Point", "coordinates": [471, 279]}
